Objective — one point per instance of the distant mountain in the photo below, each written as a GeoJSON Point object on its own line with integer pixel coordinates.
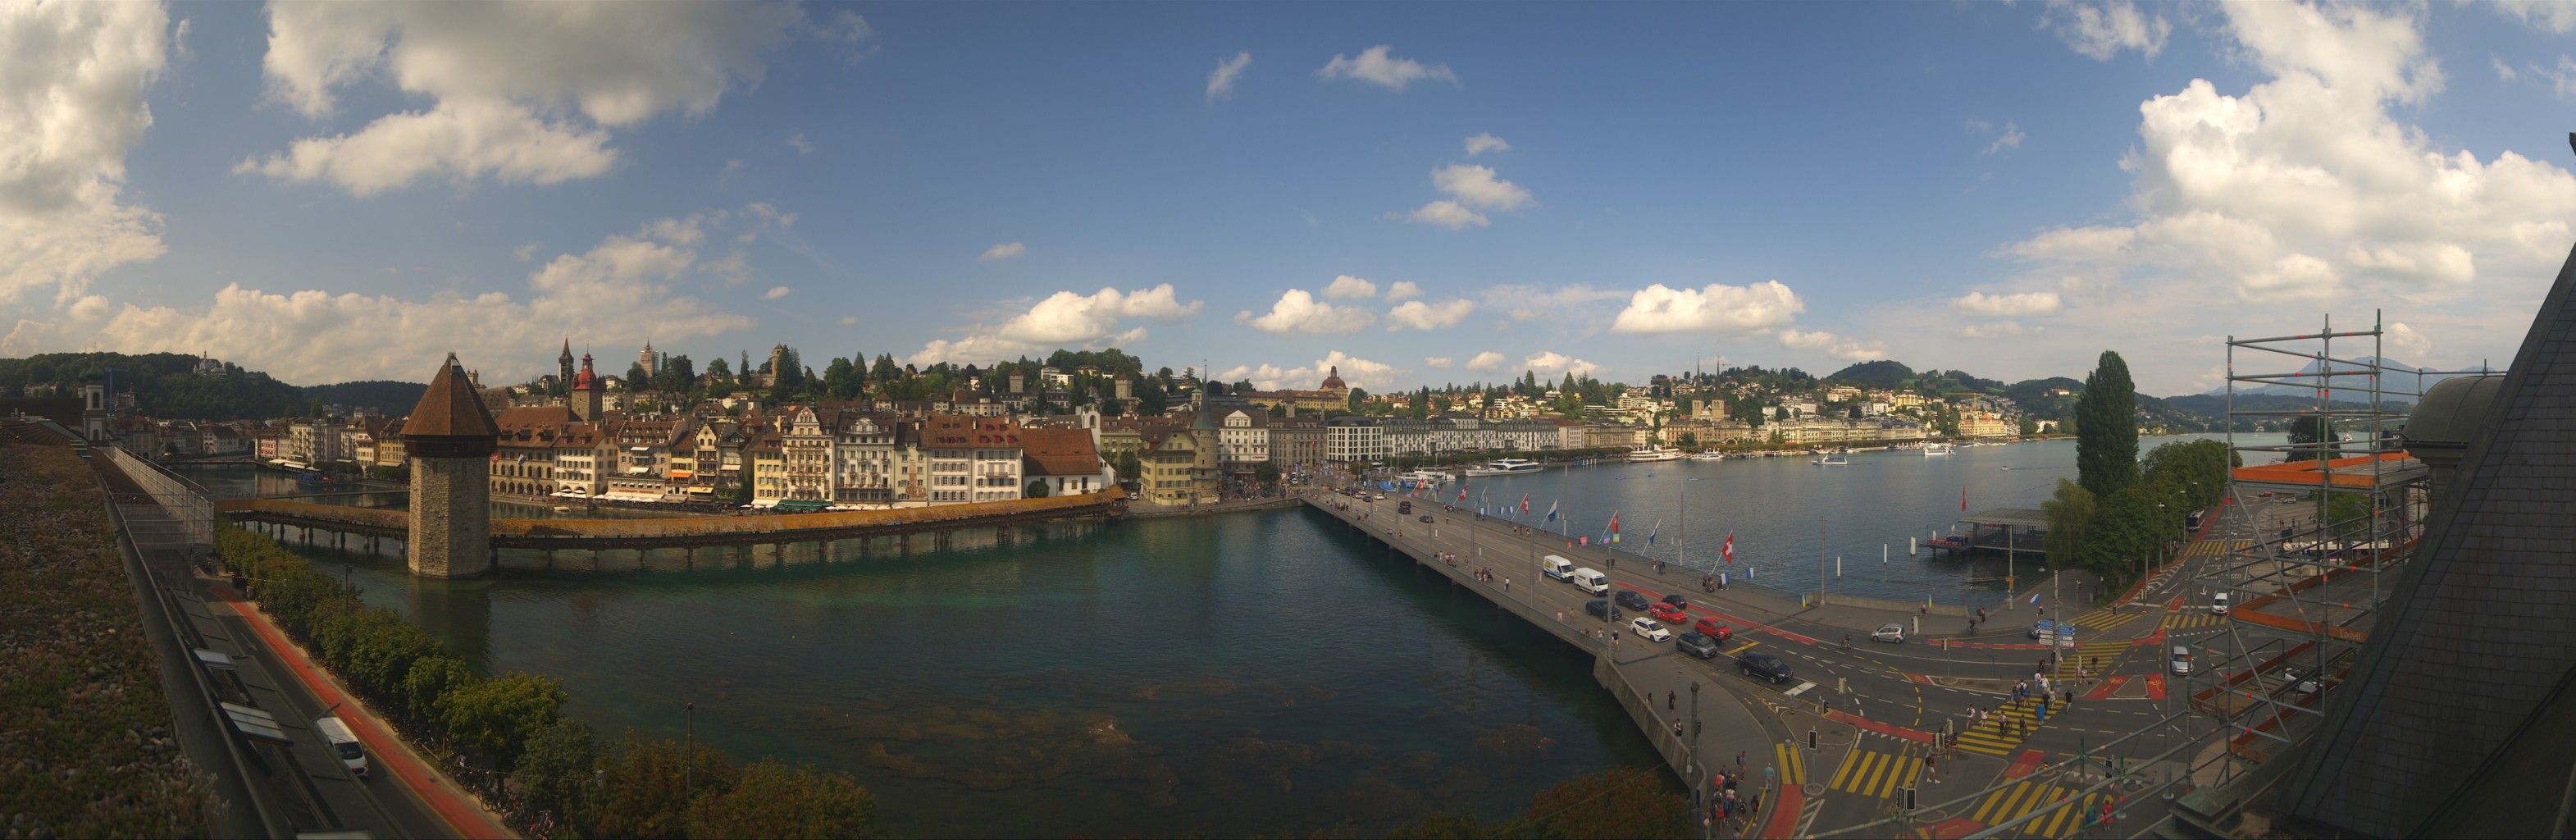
{"type": "Point", "coordinates": [1878, 374]}
{"type": "Point", "coordinates": [391, 399]}
{"type": "Point", "coordinates": [163, 384]}
{"type": "Point", "coordinates": [2034, 398]}
{"type": "Point", "coordinates": [2401, 380]}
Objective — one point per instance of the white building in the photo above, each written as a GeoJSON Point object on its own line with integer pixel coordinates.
{"type": "Point", "coordinates": [1354, 439]}
{"type": "Point", "coordinates": [1243, 438]}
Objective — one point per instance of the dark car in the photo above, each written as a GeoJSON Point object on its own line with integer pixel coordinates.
{"type": "Point", "coordinates": [1697, 645]}
{"type": "Point", "coordinates": [1678, 602]}
{"type": "Point", "coordinates": [1765, 667]}
{"type": "Point", "coordinates": [1404, 507]}
{"type": "Point", "coordinates": [1598, 606]}
{"type": "Point", "coordinates": [1425, 517]}
{"type": "Point", "coordinates": [1631, 599]}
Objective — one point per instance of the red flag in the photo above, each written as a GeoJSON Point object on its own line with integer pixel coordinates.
{"type": "Point", "coordinates": [1614, 522]}
{"type": "Point", "coordinates": [1963, 500]}
{"type": "Point", "coordinates": [1462, 492]}
{"type": "Point", "coordinates": [1524, 504]}
{"type": "Point", "coordinates": [1729, 550]}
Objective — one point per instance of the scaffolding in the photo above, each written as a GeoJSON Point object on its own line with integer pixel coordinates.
{"type": "Point", "coordinates": [2322, 519]}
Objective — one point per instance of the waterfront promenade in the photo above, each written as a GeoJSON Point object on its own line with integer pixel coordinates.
{"type": "Point", "coordinates": [1834, 748]}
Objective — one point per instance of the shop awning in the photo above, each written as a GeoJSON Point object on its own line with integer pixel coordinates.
{"type": "Point", "coordinates": [802, 505]}
{"type": "Point", "coordinates": [683, 474]}
{"type": "Point", "coordinates": [702, 490]}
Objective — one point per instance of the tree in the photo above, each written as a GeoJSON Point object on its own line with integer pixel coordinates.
{"type": "Point", "coordinates": [2106, 449]}
{"type": "Point", "coordinates": [2317, 431]}
{"type": "Point", "coordinates": [645, 788]}
{"type": "Point", "coordinates": [722, 372]}
{"type": "Point", "coordinates": [1266, 473]}
{"type": "Point", "coordinates": [677, 375]}
{"type": "Point", "coordinates": [497, 715]}
{"type": "Point", "coordinates": [1130, 467]}
{"type": "Point", "coordinates": [1037, 489]}
{"type": "Point", "coordinates": [2070, 513]}
{"type": "Point", "coordinates": [430, 681]}
{"type": "Point", "coordinates": [771, 799]}
{"type": "Point", "coordinates": [1359, 397]}
{"type": "Point", "coordinates": [555, 766]}
{"type": "Point", "coordinates": [635, 378]}
{"type": "Point", "coordinates": [841, 379]}
{"type": "Point", "coordinates": [884, 371]}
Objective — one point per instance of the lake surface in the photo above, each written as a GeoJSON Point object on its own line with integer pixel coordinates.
{"type": "Point", "coordinates": [1259, 673]}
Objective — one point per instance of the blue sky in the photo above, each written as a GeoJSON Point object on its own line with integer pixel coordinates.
{"type": "Point", "coordinates": [1412, 192]}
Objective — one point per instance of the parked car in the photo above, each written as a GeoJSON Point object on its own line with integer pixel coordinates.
{"type": "Point", "coordinates": [1677, 601]}
{"type": "Point", "coordinates": [1696, 645]}
{"type": "Point", "coordinates": [1765, 667]}
{"type": "Point", "coordinates": [1714, 631]}
{"type": "Point", "coordinates": [1650, 629]}
{"type": "Point", "coordinates": [1425, 517]}
{"type": "Point", "coordinates": [1667, 612]}
{"type": "Point", "coordinates": [1891, 633]}
{"type": "Point", "coordinates": [1631, 599]}
{"type": "Point", "coordinates": [1600, 608]}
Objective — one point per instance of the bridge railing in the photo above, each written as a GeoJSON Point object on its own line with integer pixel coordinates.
{"type": "Point", "coordinates": [185, 505]}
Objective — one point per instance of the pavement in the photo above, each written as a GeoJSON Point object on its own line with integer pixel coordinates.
{"type": "Point", "coordinates": [1838, 745]}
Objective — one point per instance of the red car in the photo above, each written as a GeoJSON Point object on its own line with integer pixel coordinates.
{"type": "Point", "coordinates": [1667, 613]}
{"type": "Point", "coordinates": [1710, 628]}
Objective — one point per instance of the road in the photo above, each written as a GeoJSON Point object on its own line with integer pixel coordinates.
{"type": "Point", "coordinates": [1876, 710]}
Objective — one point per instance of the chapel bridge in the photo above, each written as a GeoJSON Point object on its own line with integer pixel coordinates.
{"type": "Point", "coordinates": [693, 531]}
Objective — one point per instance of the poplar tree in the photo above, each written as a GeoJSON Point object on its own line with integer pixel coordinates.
{"type": "Point", "coordinates": [2106, 433]}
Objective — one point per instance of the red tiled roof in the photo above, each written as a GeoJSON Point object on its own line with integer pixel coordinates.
{"type": "Point", "coordinates": [1058, 452]}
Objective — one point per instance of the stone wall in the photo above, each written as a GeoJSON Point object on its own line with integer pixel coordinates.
{"type": "Point", "coordinates": [450, 517]}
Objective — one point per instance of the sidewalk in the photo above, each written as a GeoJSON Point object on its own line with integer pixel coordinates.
{"type": "Point", "coordinates": [386, 750]}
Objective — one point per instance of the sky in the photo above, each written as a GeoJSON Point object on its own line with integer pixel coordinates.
{"type": "Point", "coordinates": [1412, 193]}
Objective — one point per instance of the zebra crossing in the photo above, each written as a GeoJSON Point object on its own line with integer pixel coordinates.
{"type": "Point", "coordinates": [2022, 798]}
{"type": "Point", "coordinates": [2004, 729]}
{"type": "Point", "coordinates": [2095, 657]}
{"type": "Point", "coordinates": [1792, 764]}
{"type": "Point", "coordinates": [2184, 622]}
{"type": "Point", "coordinates": [2104, 620]}
{"type": "Point", "coordinates": [1876, 774]}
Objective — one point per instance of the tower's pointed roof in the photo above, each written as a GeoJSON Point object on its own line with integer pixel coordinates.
{"type": "Point", "coordinates": [450, 408]}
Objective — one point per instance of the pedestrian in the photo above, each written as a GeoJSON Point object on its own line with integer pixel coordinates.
{"type": "Point", "coordinates": [1560, 616]}
{"type": "Point", "coordinates": [1739, 761]}
{"type": "Point", "coordinates": [1677, 729]}
{"type": "Point", "coordinates": [1929, 768]}
{"type": "Point", "coordinates": [1507, 584]}
{"type": "Point", "coordinates": [1669, 698]}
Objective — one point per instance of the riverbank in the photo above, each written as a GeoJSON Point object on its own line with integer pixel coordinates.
{"type": "Point", "coordinates": [1141, 510]}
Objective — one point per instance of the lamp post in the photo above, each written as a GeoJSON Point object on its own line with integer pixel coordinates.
{"type": "Point", "coordinates": [689, 760]}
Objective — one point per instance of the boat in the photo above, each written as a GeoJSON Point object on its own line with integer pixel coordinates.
{"type": "Point", "coordinates": [1936, 448]}
{"type": "Point", "coordinates": [1423, 478]}
{"type": "Point", "coordinates": [1709, 456]}
{"type": "Point", "coordinates": [1652, 454]}
{"type": "Point", "coordinates": [1832, 461]}
{"type": "Point", "coordinates": [315, 478]}
{"type": "Point", "coordinates": [1507, 466]}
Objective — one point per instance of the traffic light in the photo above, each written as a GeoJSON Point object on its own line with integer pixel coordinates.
{"type": "Point", "coordinates": [1811, 739]}
{"type": "Point", "coordinates": [1909, 799]}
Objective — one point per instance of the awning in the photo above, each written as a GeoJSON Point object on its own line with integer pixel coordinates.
{"type": "Point", "coordinates": [640, 449]}
{"type": "Point", "coordinates": [802, 505]}
{"type": "Point", "coordinates": [702, 490]}
{"type": "Point", "coordinates": [639, 470]}
{"type": "Point", "coordinates": [681, 474]}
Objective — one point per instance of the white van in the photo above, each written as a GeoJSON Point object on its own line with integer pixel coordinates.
{"type": "Point", "coordinates": [343, 744]}
{"type": "Point", "coordinates": [1556, 567]}
{"type": "Point", "coordinates": [2218, 603]}
{"type": "Point", "coordinates": [1592, 581]}
{"type": "Point", "coordinates": [2181, 661]}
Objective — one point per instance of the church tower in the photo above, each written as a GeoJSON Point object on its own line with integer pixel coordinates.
{"type": "Point", "coordinates": [450, 439]}
{"type": "Point", "coordinates": [585, 392]}
{"type": "Point", "coordinates": [565, 381]}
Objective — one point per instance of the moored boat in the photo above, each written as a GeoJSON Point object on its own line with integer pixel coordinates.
{"type": "Point", "coordinates": [1652, 454]}
{"type": "Point", "coordinates": [1506, 466]}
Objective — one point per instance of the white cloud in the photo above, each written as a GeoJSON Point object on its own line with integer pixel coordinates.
{"type": "Point", "coordinates": [1403, 289]}
{"type": "Point", "coordinates": [775, 292]}
{"type": "Point", "coordinates": [1437, 362]}
{"type": "Point", "coordinates": [1485, 142]}
{"type": "Point", "coordinates": [1355, 372]}
{"type": "Point", "coordinates": [1445, 213]}
{"type": "Point", "coordinates": [2101, 30]}
{"type": "Point", "coordinates": [1470, 189]}
{"type": "Point", "coordinates": [1220, 82]}
{"type": "Point", "coordinates": [1062, 320]}
{"type": "Point", "coordinates": [506, 81]}
{"type": "Point", "coordinates": [72, 83]}
{"type": "Point", "coordinates": [1529, 303]}
{"type": "Point", "coordinates": [525, 252]}
{"type": "Point", "coordinates": [2503, 71]}
{"type": "Point", "coordinates": [2404, 341]}
{"type": "Point", "coordinates": [2009, 139]}
{"type": "Point", "coordinates": [1299, 312]}
{"type": "Point", "coordinates": [2021, 303]}
{"type": "Point", "coordinates": [798, 142]}
{"type": "Point", "coordinates": [2561, 76]}
{"type": "Point", "coordinates": [313, 336]}
{"type": "Point", "coordinates": [1992, 329]}
{"type": "Point", "coordinates": [1552, 365]}
{"type": "Point", "coordinates": [1716, 307]}
{"type": "Point", "coordinates": [1346, 286]}
{"type": "Point", "coordinates": [1836, 346]}
{"type": "Point", "coordinates": [1005, 251]}
{"type": "Point", "coordinates": [1486, 361]}
{"type": "Point", "coordinates": [1376, 67]}
{"type": "Point", "coordinates": [1414, 314]}
{"type": "Point", "coordinates": [2555, 16]}
{"type": "Point", "coordinates": [2306, 186]}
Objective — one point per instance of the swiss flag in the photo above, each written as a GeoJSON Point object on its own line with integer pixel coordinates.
{"type": "Point", "coordinates": [1729, 550]}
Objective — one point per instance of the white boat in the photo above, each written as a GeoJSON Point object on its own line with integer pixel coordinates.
{"type": "Point", "coordinates": [1709, 456]}
{"type": "Point", "coordinates": [1507, 466]}
{"type": "Point", "coordinates": [1423, 478]}
{"type": "Point", "coordinates": [1832, 461]}
{"type": "Point", "coordinates": [1653, 453]}
{"type": "Point", "coordinates": [1936, 448]}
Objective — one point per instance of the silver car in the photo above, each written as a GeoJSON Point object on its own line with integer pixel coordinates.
{"type": "Point", "coordinates": [1892, 633]}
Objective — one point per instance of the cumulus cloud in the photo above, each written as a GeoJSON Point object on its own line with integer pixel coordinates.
{"type": "Point", "coordinates": [1220, 82]}
{"type": "Point", "coordinates": [1298, 312]}
{"type": "Point", "coordinates": [1437, 362]}
{"type": "Point", "coordinates": [1484, 142]}
{"type": "Point", "coordinates": [1355, 372]}
{"type": "Point", "coordinates": [1062, 320]}
{"type": "Point", "coordinates": [1346, 286]}
{"type": "Point", "coordinates": [74, 78]}
{"type": "Point", "coordinates": [2021, 303]}
{"type": "Point", "coordinates": [1833, 345]}
{"type": "Point", "coordinates": [2102, 30]}
{"type": "Point", "coordinates": [1993, 329]}
{"type": "Point", "coordinates": [2305, 186]}
{"type": "Point", "coordinates": [1414, 314]}
{"type": "Point", "coordinates": [774, 293]}
{"type": "Point", "coordinates": [1004, 251]}
{"type": "Point", "coordinates": [1551, 364]}
{"type": "Point", "coordinates": [1529, 303]}
{"type": "Point", "coordinates": [1375, 66]}
{"type": "Point", "coordinates": [1715, 307]}
{"type": "Point", "coordinates": [521, 93]}
{"type": "Point", "coordinates": [1486, 361]}
{"type": "Point", "coordinates": [2406, 342]}
{"type": "Point", "coordinates": [1470, 189]}
{"type": "Point", "coordinates": [2554, 16]}
{"type": "Point", "coordinates": [314, 336]}
{"type": "Point", "coordinates": [1403, 289]}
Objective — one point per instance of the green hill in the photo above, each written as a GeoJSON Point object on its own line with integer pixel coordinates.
{"type": "Point", "coordinates": [391, 399]}
{"type": "Point", "coordinates": [163, 384]}
{"type": "Point", "coordinates": [1879, 374]}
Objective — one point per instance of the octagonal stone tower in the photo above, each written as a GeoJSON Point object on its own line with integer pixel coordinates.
{"type": "Point", "coordinates": [450, 439]}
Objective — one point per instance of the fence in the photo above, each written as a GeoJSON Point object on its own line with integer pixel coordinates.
{"type": "Point", "coordinates": [170, 510]}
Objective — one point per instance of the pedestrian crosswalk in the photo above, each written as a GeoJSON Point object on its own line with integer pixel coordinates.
{"type": "Point", "coordinates": [2193, 621]}
{"type": "Point", "coordinates": [1793, 763]}
{"type": "Point", "coordinates": [2003, 729]}
{"type": "Point", "coordinates": [2104, 619]}
{"type": "Point", "coordinates": [1876, 774]}
{"type": "Point", "coordinates": [2024, 797]}
{"type": "Point", "coordinates": [2091, 657]}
